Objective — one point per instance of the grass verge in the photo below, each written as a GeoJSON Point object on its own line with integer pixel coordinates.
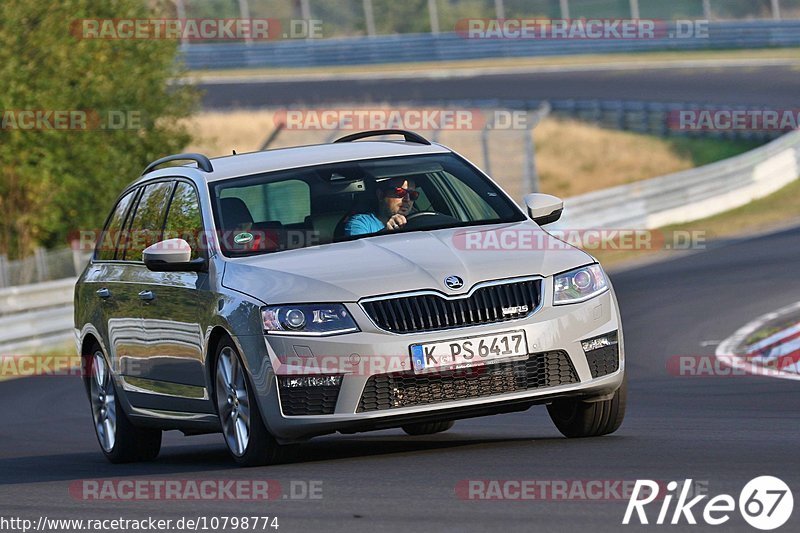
{"type": "Point", "coordinates": [56, 361]}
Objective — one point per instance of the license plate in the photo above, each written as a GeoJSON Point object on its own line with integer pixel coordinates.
{"type": "Point", "coordinates": [464, 353]}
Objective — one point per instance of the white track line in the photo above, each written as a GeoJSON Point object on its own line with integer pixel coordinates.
{"type": "Point", "coordinates": [725, 351]}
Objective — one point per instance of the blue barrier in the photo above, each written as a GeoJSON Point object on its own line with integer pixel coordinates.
{"type": "Point", "coordinates": [452, 46]}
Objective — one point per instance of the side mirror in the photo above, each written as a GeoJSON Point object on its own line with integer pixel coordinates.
{"type": "Point", "coordinates": [172, 255]}
{"type": "Point", "coordinates": [544, 208]}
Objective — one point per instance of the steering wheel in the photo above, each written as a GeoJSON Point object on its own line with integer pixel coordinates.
{"type": "Point", "coordinates": [427, 218]}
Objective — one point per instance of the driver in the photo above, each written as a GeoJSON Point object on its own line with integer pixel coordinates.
{"type": "Point", "coordinates": [396, 197]}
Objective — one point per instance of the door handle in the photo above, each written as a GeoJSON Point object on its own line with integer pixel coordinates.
{"type": "Point", "coordinates": [147, 296]}
{"type": "Point", "coordinates": [104, 293]}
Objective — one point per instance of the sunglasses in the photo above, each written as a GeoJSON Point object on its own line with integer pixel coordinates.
{"type": "Point", "coordinates": [400, 192]}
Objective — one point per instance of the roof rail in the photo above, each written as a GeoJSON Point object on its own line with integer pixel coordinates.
{"type": "Point", "coordinates": [409, 136]}
{"type": "Point", "coordinates": [203, 163]}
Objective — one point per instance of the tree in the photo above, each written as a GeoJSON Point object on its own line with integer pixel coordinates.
{"type": "Point", "coordinates": [56, 181]}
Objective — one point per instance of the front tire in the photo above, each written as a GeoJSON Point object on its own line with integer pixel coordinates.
{"type": "Point", "coordinates": [576, 418]}
{"type": "Point", "coordinates": [247, 438]}
{"type": "Point", "coordinates": [119, 439]}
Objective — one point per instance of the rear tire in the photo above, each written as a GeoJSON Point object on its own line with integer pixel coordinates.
{"type": "Point", "coordinates": [428, 428]}
{"type": "Point", "coordinates": [576, 418]}
{"type": "Point", "coordinates": [248, 440]}
{"type": "Point", "coordinates": [119, 439]}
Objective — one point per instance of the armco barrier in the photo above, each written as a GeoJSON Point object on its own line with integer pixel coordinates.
{"type": "Point", "coordinates": [688, 195]}
{"type": "Point", "coordinates": [36, 316]}
{"type": "Point", "coordinates": [452, 46]}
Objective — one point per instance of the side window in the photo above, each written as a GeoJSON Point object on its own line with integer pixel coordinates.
{"type": "Point", "coordinates": [184, 219]}
{"type": "Point", "coordinates": [107, 244]}
{"type": "Point", "coordinates": [287, 202]}
{"type": "Point", "coordinates": [148, 219]}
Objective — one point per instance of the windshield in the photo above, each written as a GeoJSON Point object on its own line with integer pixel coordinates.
{"type": "Point", "coordinates": [345, 201]}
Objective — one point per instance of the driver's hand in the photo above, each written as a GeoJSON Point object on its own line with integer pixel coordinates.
{"type": "Point", "coordinates": [396, 222]}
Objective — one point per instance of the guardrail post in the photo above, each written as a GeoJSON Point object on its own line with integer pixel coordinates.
{"type": "Point", "coordinates": [499, 9]}
{"type": "Point", "coordinates": [433, 12]}
{"type": "Point", "coordinates": [776, 9]}
{"type": "Point", "coordinates": [305, 10]}
{"type": "Point", "coordinates": [634, 9]}
{"type": "Point", "coordinates": [180, 8]}
{"type": "Point", "coordinates": [77, 260]}
{"type": "Point", "coordinates": [272, 136]}
{"type": "Point", "coordinates": [369, 16]}
{"type": "Point", "coordinates": [4, 271]}
{"type": "Point", "coordinates": [487, 160]}
{"type": "Point", "coordinates": [531, 173]}
{"type": "Point", "coordinates": [244, 12]}
{"type": "Point", "coordinates": [564, 4]}
{"type": "Point", "coordinates": [40, 257]}
{"type": "Point", "coordinates": [707, 9]}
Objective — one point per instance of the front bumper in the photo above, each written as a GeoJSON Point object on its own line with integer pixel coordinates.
{"type": "Point", "coordinates": [372, 352]}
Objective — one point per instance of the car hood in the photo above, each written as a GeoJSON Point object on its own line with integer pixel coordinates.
{"type": "Point", "coordinates": [393, 263]}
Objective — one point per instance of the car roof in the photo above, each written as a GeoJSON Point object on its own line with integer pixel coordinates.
{"type": "Point", "coordinates": [296, 157]}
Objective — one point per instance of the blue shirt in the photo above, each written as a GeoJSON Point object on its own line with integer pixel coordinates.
{"type": "Point", "coordinates": [362, 224]}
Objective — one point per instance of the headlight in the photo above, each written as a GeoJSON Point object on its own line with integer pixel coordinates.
{"type": "Point", "coordinates": [579, 285]}
{"type": "Point", "coordinates": [308, 319]}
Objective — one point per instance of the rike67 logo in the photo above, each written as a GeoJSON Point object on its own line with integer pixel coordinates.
{"type": "Point", "coordinates": [765, 503]}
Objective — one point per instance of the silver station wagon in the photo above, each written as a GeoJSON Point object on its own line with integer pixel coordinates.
{"type": "Point", "coordinates": [359, 285]}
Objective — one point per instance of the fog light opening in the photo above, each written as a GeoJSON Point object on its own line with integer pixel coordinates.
{"type": "Point", "coordinates": [291, 382]}
{"type": "Point", "coordinates": [602, 341]}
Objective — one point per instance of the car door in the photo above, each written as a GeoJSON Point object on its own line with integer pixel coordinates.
{"type": "Point", "coordinates": [115, 308]}
{"type": "Point", "coordinates": [170, 362]}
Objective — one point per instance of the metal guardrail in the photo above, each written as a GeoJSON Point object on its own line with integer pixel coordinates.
{"type": "Point", "coordinates": [452, 46]}
{"type": "Point", "coordinates": [688, 195]}
{"type": "Point", "coordinates": [36, 316]}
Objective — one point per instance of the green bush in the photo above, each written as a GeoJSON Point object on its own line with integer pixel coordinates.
{"type": "Point", "coordinates": [54, 182]}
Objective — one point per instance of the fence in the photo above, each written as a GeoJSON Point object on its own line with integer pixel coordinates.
{"type": "Point", "coordinates": [452, 46]}
{"type": "Point", "coordinates": [381, 17]}
{"type": "Point", "coordinates": [43, 265]}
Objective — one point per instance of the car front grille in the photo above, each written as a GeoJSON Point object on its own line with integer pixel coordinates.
{"type": "Point", "coordinates": [406, 389]}
{"type": "Point", "coordinates": [431, 312]}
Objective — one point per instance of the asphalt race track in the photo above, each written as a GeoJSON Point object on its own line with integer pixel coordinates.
{"type": "Point", "coordinates": [772, 86]}
{"type": "Point", "coordinates": [721, 431]}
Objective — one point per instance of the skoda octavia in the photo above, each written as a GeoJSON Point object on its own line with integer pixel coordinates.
{"type": "Point", "coordinates": [359, 285]}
